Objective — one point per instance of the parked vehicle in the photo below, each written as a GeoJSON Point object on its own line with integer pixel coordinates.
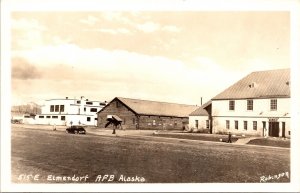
{"type": "Point", "coordinates": [76, 130]}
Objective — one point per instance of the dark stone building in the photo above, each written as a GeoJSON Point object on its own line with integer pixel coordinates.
{"type": "Point", "coordinates": [144, 114]}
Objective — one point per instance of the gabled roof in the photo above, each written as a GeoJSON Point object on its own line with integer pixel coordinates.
{"type": "Point", "coordinates": [261, 84]}
{"type": "Point", "coordinates": [201, 110]}
{"type": "Point", "coordinates": [146, 107]}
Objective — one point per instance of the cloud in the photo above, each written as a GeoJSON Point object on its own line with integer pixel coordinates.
{"type": "Point", "coordinates": [148, 27]}
{"type": "Point", "coordinates": [27, 33]}
{"type": "Point", "coordinates": [71, 70]}
{"type": "Point", "coordinates": [145, 25]}
{"type": "Point", "coordinates": [111, 31]}
{"type": "Point", "coordinates": [171, 28]}
{"type": "Point", "coordinates": [90, 20]}
{"type": "Point", "coordinates": [27, 24]}
{"type": "Point", "coordinates": [23, 70]}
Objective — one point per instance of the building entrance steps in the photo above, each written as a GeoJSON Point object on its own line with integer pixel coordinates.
{"type": "Point", "coordinates": [245, 140]}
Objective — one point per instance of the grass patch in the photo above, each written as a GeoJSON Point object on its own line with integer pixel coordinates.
{"type": "Point", "coordinates": [278, 142]}
{"type": "Point", "coordinates": [197, 137]}
{"type": "Point", "coordinates": [158, 160]}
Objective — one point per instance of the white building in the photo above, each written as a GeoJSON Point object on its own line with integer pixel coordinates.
{"type": "Point", "coordinates": [199, 119]}
{"type": "Point", "coordinates": [69, 112]}
{"type": "Point", "coordinates": [258, 104]}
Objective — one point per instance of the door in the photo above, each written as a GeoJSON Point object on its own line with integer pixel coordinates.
{"type": "Point", "coordinates": [274, 129]}
{"type": "Point", "coordinates": [283, 129]}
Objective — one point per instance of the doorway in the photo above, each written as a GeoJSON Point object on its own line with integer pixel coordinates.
{"type": "Point", "coordinates": [283, 129]}
{"type": "Point", "coordinates": [264, 128]}
{"type": "Point", "coordinates": [274, 129]}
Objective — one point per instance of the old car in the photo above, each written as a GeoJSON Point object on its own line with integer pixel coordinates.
{"type": "Point", "coordinates": [76, 130]}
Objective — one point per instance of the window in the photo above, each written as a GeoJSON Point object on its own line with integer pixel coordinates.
{"type": "Point", "coordinates": [89, 103]}
{"type": "Point", "coordinates": [227, 124]}
{"type": "Point", "coordinates": [245, 125]}
{"type": "Point", "coordinates": [133, 120]}
{"type": "Point", "coordinates": [48, 117]}
{"type": "Point", "coordinates": [88, 119]}
{"type": "Point", "coordinates": [41, 117]}
{"type": "Point", "coordinates": [63, 118]}
{"type": "Point", "coordinates": [254, 125]}
{"type": "Point", "coordinates": [236, 125]}
{"type": "Point", "coordinates": [153, 122]}
{"type": "Point", "coordinates": [84, 109]}
{"type": "Point", "coordinates": [273, 104]}
{"type": "Point", "coordinates": [78, 102]}
{"type": "Point", "coordinates": [289, 132]}
{"type": "Point", "coordinates": [117, 104]}
{"type": "Point", "coordinates": [196, 123]}
{"type": "Point", "coordinates": [250, 105]}
{"type": "Point", "coordinates": [96, 119]}
{"type": "Point", "coordinates": [54, 117]}
{"type": "Point", "coordinates": [207, 124]}
{"type": "Point", "coordinates": [56, 108]}
{"type": "Point", "coordinates": [231, 105]}
{"type": "Point", "coordinates": [62, 108]}
{"type": "Point", "coordinates": [93, 109]}
{"type": "Point", "coordinates": [52, 108]}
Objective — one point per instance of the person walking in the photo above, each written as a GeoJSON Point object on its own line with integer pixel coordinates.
{"type": "Point", "coordinates": [229, 138]}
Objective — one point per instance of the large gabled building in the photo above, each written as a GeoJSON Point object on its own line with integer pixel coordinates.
{"type": "Point", "coordinates": [258, 104]}
{"type": "Point", "coordinates": [145, 114]}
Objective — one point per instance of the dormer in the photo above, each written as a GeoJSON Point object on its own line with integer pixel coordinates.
{"type": "Point", "coordinates": [252, 85]}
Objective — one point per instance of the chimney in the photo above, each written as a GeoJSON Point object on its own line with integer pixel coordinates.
{"type": "Point", "coordinates": [201, 101]}
{"type": "Point", "coordinates": [67, 97]}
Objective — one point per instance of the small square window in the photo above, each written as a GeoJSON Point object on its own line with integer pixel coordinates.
{"type": "Point", "coordinates": [254, 125]}
{"type": "Point", "coordinates": [52, 108]}
{"type": "Point", "coordinates": [245, 125]}
{"type": "Point", "coordinates": [196, 123]}
{"type": "Point", "coordinates": [273, 104]}
{"type": "Point", "coordinates": [62, 108]}
{"type": "Point", "coordinates": [56, 108]}
{"type": "Point", "coordinates": [250, 105]}
{"type": "Point", "coordinates": [227, 124]}
{"type": "Point", "coordinates": [231, 105]}
{"type": "Point", "coordinates": [236, 125]}
{"type": "Point", "coordinates": [207, 124]}
{"type": "Point", "coordinates": [88, 119]}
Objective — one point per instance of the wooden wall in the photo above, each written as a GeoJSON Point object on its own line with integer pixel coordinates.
{"type": "Point", "coordinates": [134, 121]}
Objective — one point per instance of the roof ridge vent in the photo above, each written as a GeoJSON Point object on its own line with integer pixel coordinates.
{"type": "Point", "coordinates": [252, 85]}
{"type": "Point", "coordinates": [287, 83]}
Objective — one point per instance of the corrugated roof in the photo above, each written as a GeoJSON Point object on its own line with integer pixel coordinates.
{"type": "Point", "coordinates": [261, 84]}
{"type": "Point", "coordinates": [201, 111]}
{"type": "Point", "coordinates": [146, 107]}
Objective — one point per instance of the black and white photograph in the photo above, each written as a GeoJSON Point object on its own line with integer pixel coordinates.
{"type": "Point", "coordinates": [148, 96]}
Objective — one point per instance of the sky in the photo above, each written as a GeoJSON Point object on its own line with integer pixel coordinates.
{"type": "Point", "coordinates": [172, 56]}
